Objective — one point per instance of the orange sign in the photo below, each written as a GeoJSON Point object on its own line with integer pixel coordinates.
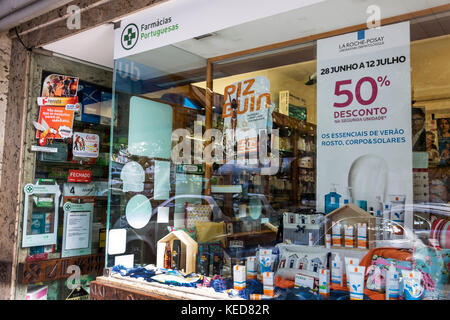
{"type": "Point", "coordinates": [54, 123]}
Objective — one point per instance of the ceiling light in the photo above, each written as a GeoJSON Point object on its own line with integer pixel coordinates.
{"type": "Point", "coordinates": [203, 36]}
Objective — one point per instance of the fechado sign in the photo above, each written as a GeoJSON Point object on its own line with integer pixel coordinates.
{"type": "Point", "coordinates": [80, 176]}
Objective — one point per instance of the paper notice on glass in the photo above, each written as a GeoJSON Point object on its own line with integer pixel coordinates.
{"type": "Point", "coordinates": [162, 180]}
{"type": "Point", "coordinates": [126, 260]}
{"type": "Point", "coordinates": [77, 230]}
{"type": "Point", "coordinates": [163, 215]}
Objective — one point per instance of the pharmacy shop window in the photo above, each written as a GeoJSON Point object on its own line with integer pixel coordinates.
{"type": "Point", "coordinates": [157, 109]}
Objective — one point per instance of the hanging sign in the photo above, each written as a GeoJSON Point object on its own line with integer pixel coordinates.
{"type": "Point", "coordinates": [53, 123]}
{"type": "Point", "coordinates": [57, 85]}
{"type": "Point", "coordinates": [43, 149]}
{"type": "Point", "coordinates": [364, 116]}
{"type": "Point", "coordinates": [59, 102]}
{"type": "Point", "coordinates": [85, 145]}
{"type": "Point", "coordinates": [247, 109]}
{"type": "Point", "coordinates": [80, 176]}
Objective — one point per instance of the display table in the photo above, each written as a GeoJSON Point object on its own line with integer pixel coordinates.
{"type": "Point", "coordinates": [117, 287]}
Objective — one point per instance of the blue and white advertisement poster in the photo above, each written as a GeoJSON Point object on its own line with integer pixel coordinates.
{"type": "Point", "coordinates": [364, 144]}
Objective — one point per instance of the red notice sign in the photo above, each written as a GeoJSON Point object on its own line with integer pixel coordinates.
{"type": "Point", "coordinates": [81, 176]}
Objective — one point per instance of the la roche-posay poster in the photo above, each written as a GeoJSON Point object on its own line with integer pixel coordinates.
{"type": "Point", "coordinates": [364, 116]}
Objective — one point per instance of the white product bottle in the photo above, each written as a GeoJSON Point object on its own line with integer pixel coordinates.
{"type": "Point", "coordinates": [337, 271]}
{"type": "Point", "coordinates": [328, 241]}
{"type": "Point", "coordinates": [310, 239]}
{"type": "Point", "coordinates": [392, 283]}
{"type": "Point", "coordinates": [386, 223]}
{"type": "Point", "coordinates": [397, 215]}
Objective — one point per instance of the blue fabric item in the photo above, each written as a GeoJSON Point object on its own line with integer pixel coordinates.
{"type": "Point", "coordinates": [120, 269]}
{"type": "Point", "coordinates": [174, 283]}
{"type": "Point", "coordinates": [219, 285]}
{"type": "Point", "coordinates": [141, 272]}
{"type": "Point", "coordinates": [138, 272]}
{"type": "Point", "coordinates": [253, 286]}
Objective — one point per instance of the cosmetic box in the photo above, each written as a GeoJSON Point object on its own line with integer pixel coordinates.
{"type": "Point", "coordinates": [297, 227]}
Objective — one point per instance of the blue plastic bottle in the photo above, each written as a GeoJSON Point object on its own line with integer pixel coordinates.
{"type": "Point", "coordinates": [332, 200]}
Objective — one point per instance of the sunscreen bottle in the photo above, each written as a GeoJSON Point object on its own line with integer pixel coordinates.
{"type": "Point", "coordinates": [336, 235]}
{"type": "Point", "coordinates": [310, 239]}
{"type": "Point", "coordinates": [337, 271]}
{"type": "Point", "coordinates": [350, 262]}
{"type": "Point", "coordinates": [392, 283]}
{"type": "Point", "coordinates": [268, 284]}
{"type": "Point", "coordinates": [328, 241]}
{"type": "Point", "coordinates": [324, 282]}
{"type": "Point", "coordinates": [362, 236]}
{"type": "Point", "coordinates": [349, 236]}
{"type": "Point", "coordinates": [239, 277]}
{"type": "Point", "coordinates": [251, 267]}
{"type": "Point", "coordinates": [356, 281]}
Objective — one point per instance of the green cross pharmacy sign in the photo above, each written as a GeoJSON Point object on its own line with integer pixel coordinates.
{"type": "Point", "coordinates": [130, 36]}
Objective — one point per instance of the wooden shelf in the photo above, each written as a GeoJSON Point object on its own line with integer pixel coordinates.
{"type": "Point", "coordinates": [286, 121]}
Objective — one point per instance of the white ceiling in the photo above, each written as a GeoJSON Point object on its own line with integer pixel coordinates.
{"type": "Point", "coordinates": [96, 45]}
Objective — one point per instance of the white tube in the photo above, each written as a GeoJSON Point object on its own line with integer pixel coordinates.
{"type": "Point", "coordinates": [356, 275]}
{"type": "Point", "coordinates": [251, 267]}
{"type": "Point", "coordinates": [336, 235]}
{"type": "Point", "coordinates": [328, 241]}
{"type": "Point", "coordinates": [265, 260]}
{"type": "Point", "coordinates": [350, 261]}
{"type": "Point", "coordinates": [349, 236]}
{"type": "Point", "coordinates": [398, 214]}
{"type": "Point", "coordinates": [324, 282]}
{"type": "Point", "coordinates": [362, 236]}
{"type": "Point", "coordinates": [392, 283]}
{"type": "Point", "coordinates": [337, 271]}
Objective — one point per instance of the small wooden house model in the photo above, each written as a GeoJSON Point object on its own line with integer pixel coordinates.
{"type": "Point", "coordinates": [351, 214]}
{"type": "Point", "coordinates": [189, 249]}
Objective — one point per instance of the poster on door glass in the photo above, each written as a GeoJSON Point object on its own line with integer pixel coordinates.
{"type": "Point", "coordinates": [364, 123]}
{"type": "Point", "coordinates": [85, 145]}
{"type": "Point", "coordinates": [56, 85]}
